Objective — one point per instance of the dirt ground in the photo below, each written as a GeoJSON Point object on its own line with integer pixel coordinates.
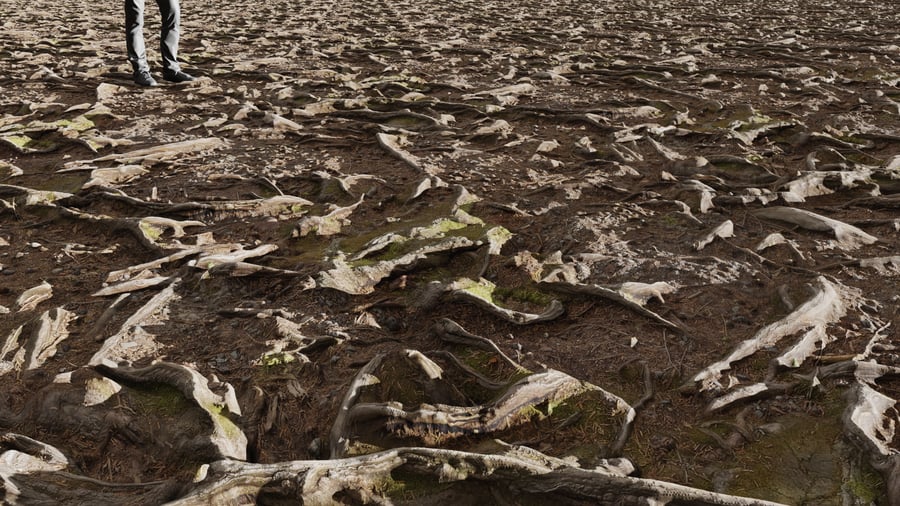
{"type": "Point", "coordinates": [554, 144]}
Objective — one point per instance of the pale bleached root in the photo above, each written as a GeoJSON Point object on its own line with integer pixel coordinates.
{"type": "Point", "coordinates": [33, 472]}
{"type": "Point", "coordinates": [516, 472]}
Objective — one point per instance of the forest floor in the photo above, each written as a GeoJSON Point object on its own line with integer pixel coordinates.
{"type": "Point", "coordinates": [624, 193]}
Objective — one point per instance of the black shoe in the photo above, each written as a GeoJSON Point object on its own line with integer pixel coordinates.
{"type": "Point", "coordinates": [143, 78]}
{"type": "Point", "coordinates": [177, 76]}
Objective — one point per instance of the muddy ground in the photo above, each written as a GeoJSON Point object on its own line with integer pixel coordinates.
{"type": "Point", "coordinates": [551, 153]}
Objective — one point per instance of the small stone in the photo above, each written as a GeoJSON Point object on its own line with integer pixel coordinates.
{"type": "Point", "coordinates": [315, 447]}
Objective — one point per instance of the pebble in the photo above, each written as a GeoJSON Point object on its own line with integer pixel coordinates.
{"type": "Point", "coordinates": [315, 447]}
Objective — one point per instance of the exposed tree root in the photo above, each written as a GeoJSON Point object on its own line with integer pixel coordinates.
{"type": "Point", "coordinates": [521, 472]}
{"type": "Point", "coordinates": [614, 296]}
{"type": "Point", "coordinates": [450, 331]}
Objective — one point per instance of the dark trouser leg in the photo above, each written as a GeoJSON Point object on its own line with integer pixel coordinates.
{"type": "Point", "coordinates": [134, 34]}
{"type": "Point", "coordinates": [170, 12]}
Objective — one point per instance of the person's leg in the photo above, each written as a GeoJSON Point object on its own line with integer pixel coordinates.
{"type": "Point", "coordinates": [170, 12]}
{"type": "Point", "coordinates": [134, 35]}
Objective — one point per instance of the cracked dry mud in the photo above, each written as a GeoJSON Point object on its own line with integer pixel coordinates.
{"type": "Point", "coordinates": [482, 252]}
